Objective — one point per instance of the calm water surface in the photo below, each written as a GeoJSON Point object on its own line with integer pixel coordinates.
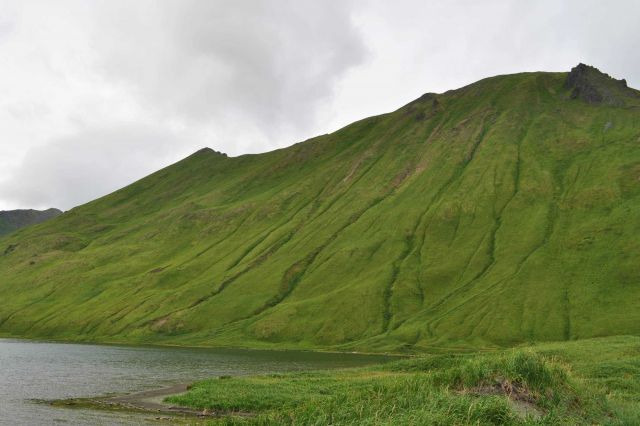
{"type": "Point", "coordinates": [38, 370]}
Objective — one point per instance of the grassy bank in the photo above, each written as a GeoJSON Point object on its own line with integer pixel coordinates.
{"type": "Point", "coordinates": [594, 381]}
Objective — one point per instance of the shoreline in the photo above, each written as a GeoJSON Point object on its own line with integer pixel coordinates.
{"type": "Point", "coordinates": [146, 402]}
{"type": "Point", "coordinates": [220, 347]}
{"type": "Point", "coordinates": [150, 400]}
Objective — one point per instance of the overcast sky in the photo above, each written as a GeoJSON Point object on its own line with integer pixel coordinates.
{"type": "Point", "coordinates": [97, 94]}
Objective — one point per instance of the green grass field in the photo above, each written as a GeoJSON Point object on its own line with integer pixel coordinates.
{"type": "Point", "coordinates": [501, 213]}
{"type": "Point", "coordinates": [594, 381]}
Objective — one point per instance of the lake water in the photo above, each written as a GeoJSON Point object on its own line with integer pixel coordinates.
{"type": "Point", "coordinates": [40, 370]}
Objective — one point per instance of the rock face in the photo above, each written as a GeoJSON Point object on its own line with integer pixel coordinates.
{"type": "Point", "coordinates": [595, 87]}
{"type": "Point", "coordinates": [12, 220]}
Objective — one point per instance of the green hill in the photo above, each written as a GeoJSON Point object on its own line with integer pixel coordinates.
{"type": "Point", "coordinates": [11, 220]}
{"type": "Point", "coordinates": [506, 211]}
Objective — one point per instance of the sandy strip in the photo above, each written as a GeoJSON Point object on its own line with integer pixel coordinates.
{"type": "Point", "coordinates": [151, 401]}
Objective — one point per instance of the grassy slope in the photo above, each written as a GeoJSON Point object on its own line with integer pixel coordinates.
{"type": "Point", "coordinates": [593, 381]}
{"type": "Point", "coordinates": [504, 212]}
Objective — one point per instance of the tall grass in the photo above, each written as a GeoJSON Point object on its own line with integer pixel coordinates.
{"type": "Point", "coordinates": [514, 387]}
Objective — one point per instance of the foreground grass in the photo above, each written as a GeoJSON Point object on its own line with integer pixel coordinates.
{"type": "Point", "coordinates": [594, 381]}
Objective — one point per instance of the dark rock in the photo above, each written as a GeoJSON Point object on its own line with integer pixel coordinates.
{"type": "Point", "coordinates": [589, 84]}
{"type": "Point", "coordinates": [426, 97]}
{"type": "Point", "coordinates": [207, 150]}
{"type": "Point", "coordinates": [417, 107]}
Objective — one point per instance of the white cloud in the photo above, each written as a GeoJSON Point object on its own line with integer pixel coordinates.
{"type": "Point", "coordinates": [267, 63]}
{"type": "Point", "coordinates": [73, 169]}
{"type": "Point", "coordinates": [432, 46]}
{"type": "Point", "coordinates": [240, 77]}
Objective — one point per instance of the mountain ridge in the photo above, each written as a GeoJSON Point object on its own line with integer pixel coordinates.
{"type": "Point", "coordinates": [494, 214]}
{"type": "Point", "coordinates": [12, 220]}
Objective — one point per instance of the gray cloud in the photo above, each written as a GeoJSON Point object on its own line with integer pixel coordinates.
{"type": "Point", "coordinates": [77, 168]}
{"type": "Point", "coordinates": [96, 94]}
{"type": "Point", "coordinates": [238, 76]}
{"type": "Point", "coordinates": [422, 46]}
{"type": "Point", "coordinates": [266, 63]}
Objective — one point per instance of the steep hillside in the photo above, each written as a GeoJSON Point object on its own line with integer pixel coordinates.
{"type": "Point", "coordinates": [503, 212]}
{"type": "Point", "coordinates": [11, 220]}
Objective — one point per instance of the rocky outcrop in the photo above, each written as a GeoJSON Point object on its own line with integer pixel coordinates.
{"type": "Point", "coordinates": [589, 84]}
{"type": "Point", "coordinates": [424, 107]}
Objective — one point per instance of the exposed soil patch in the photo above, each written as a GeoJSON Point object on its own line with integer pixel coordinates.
{"type": "Point", "coordinates": [522, 400]}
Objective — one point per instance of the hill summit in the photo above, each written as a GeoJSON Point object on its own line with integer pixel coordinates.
{"type": "Point", "coordinates": [502, 212]}
{"type": "Point", "coordinates": [595, 87]}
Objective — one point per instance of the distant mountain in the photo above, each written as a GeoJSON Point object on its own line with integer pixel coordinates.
{"type": "Point", "coordinates": [12, 220]}
{"type": "Point", "coordinates": [503, 212]}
